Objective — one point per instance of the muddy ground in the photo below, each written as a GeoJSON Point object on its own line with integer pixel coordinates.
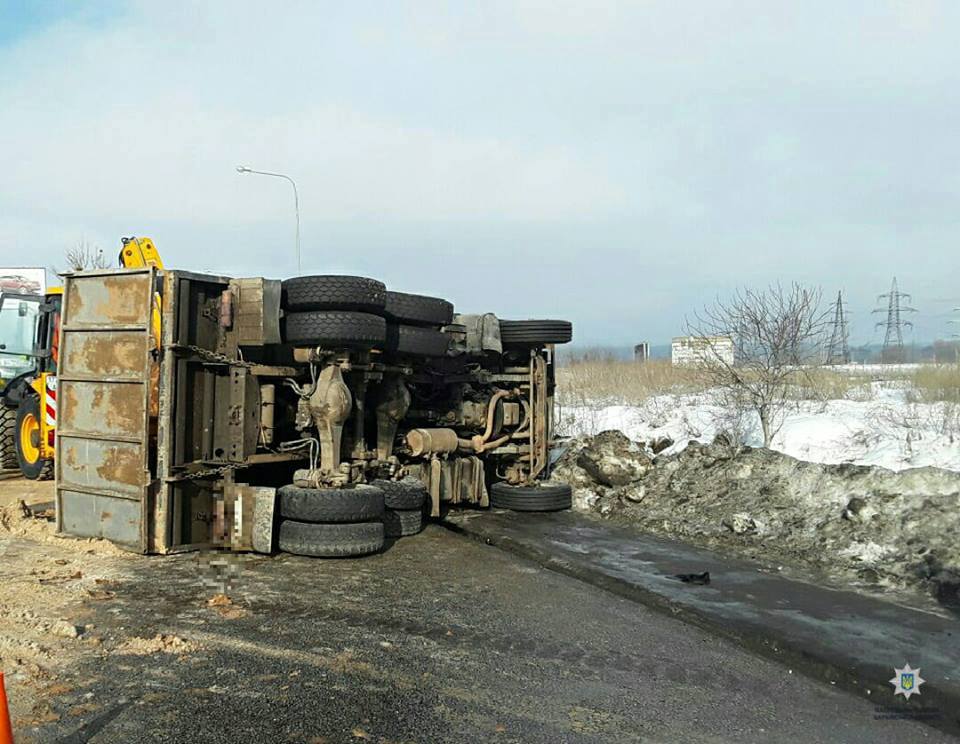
{"type": "Point", "coordinates": [440, 638]}
{"type": "Point", "coordinates": [896, 534]}
{"type": "Point", "coordinates": [47, 583]}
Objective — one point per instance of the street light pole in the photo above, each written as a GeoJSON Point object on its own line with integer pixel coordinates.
{"type": "Point", "coordinates": [296, 202]}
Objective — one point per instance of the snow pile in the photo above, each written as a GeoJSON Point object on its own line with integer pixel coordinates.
{"type": "Point", "coordinates": [874, 528]}
{"type": "Point", "coordinates": [885, 430]}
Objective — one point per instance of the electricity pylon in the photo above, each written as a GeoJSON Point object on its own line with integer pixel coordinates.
{"type": "Point", "coordinates": [838, 348]}
{"type": "Point", "coordinates": [894, 324]}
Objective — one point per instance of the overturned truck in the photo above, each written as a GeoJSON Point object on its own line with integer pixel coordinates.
{"type": "Point", "coordinates": [318, 416]}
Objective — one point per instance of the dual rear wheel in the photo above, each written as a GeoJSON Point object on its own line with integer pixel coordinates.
{"type": "Point", "coordinates": [357, 312]}
{"type": "Point", "coordinates": [347, 522]}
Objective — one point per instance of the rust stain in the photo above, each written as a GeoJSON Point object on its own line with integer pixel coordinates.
{"type": "Point", "coordinates": [68, 401]}
{"type": "Point", "coordinates": [112, 355]}
{"type": "Point", "coordinates": [120, 465]}
{"type": "Point", "coordinates": [70, 456]}
{"type": "Point", "coordinates": [75, 300]}
{"type": "Point", "coordinates": [128, 354]}
{"type": "Point", "coordinates": [121, 299]}
{"type": "Point", "coordinates": [103, 408]}
{"type": "Point", "coordinates": [154, 390]}
{"type": "Point", "coordinates": [124, 412]}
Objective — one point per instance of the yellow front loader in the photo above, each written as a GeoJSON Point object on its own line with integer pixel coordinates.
{"type": "Point", "coordinates": [28, 402]}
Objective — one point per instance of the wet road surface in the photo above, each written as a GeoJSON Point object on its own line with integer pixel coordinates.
{"type": "Point", "coordinates": [441, 638]}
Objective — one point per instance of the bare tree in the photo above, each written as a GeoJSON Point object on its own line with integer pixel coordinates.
{"type": "Point", "coordinates": [85, 255]}
{"type": "Point", "coordinates": [758, 346]}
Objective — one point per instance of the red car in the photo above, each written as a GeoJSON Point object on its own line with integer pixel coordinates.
{"type": "Point", "coordinates": [19, 283]}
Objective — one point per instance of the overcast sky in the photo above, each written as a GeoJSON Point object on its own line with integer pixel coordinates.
{"type": "Point", "coordinates": [614, 163]}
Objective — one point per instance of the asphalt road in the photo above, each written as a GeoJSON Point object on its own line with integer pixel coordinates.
{"type": "Point", "coordinates": [439, 639]}
{"type": "Point", "coordinates": [851, 639]}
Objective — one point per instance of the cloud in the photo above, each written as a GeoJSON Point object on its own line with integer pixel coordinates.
{"type": "Point", "coordinates": [627, 159]}
{"type": "Point", "coordinates": [148, 122]}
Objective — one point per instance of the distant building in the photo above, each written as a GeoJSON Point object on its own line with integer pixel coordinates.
{"type": "Point", "coordinates": [641, 352]}
{"type": "Point", "coordinates": [693, 350]}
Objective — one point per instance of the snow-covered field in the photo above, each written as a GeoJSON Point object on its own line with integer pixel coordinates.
{"type": "Point", "coordinates": [884, 428]}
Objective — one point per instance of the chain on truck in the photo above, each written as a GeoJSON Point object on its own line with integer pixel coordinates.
{"type": "Point", "coordinates": [319, 415]}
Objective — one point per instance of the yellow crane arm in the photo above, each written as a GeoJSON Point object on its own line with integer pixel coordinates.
{"type": "Point", "coordinates": [138, 253]}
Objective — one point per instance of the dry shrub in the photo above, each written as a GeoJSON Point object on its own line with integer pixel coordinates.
{"type": "Point", "coordinates": [824, 383]}
{"type": "Point", "coordinates": [85, 256]}
{"type": "Point", "coordinates": [597, 379]}
{"type": "Point", "coordinates": [932, 383]}
{"type": "Point", "coordinates": [612, 382]}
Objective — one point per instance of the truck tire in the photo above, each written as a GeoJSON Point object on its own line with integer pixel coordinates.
{"type": "Point", "coordinates": [409, 493]}
{"type": "Point", "coordinates": [28, 445]}
{"type": "Point", "coordinates": [402, 522]}
{"type": "Point", "coordinates": [8, 438]}
{"type": "Point", "coordinates": [543, 497]}
{"type": "Point", "coordinates": [330, 540]}
{"type": "Point", "coordinates": [335, 329]}
{"type": "Point", "coordinates": [535, 332]}
{"type": "Point", "coordinates": [418, 309]}
{"type": "Point", "coordinates": [417, 341]}
{"type": "Point", "coordinates": [332, 292]}
{"type": "Point", "coordinates": [340, 505]}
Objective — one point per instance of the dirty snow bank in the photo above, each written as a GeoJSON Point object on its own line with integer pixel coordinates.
{"type": "Point", "coordinates": [885, 430]}
{"type": "Point", "coordinates": [873, 528]}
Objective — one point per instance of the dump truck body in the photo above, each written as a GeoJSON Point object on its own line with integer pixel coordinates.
{"type": "Point", "coordinates": [29, 343]}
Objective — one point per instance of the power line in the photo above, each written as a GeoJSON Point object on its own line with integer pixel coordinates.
{"type": "Point", "coordinates": [838, 348]}
{"type": "Point", "coordinates": [894, 324]}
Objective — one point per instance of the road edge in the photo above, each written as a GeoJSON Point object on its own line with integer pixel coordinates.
{"type": "Point", "coordinates": [845, 672]}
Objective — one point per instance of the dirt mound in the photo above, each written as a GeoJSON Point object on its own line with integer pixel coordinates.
{"type": "Point", "coordinates": [47, 584]}
{"type": "Point", "coordinates": [872, 527]}
{"type": "Point", "coordinates": [17, 519]}
{"type": "Point", "coordinates": [613, 460]}
{"type": "Point", "coordinates": [160, 643]}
